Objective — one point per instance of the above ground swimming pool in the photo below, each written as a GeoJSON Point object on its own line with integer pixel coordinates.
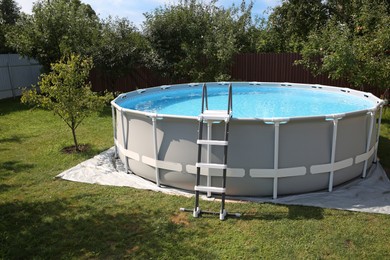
{"type": "Point", "coordinates": [284, 138]}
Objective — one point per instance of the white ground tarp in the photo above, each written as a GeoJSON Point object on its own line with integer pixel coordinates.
{"type": "Point", "coordinates": [371, 194]}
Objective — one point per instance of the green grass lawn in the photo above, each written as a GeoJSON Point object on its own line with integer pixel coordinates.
{"type": "Point", "coordinates": [43, 217]}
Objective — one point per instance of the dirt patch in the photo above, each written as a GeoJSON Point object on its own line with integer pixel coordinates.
{"type": "Point", "coordinates": [180, 219]}
{"type": "Point", "coordinates": [72, 149]}
{"type": "Point", "coordinates": [349, 244]}
{"type": "Point", "coordinates": [132, 250]}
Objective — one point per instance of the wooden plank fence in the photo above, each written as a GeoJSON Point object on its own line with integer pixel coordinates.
{"type": "Point", "coordinates": [280, 67]}
{"type": "Point", "coordinates": [262, 67]}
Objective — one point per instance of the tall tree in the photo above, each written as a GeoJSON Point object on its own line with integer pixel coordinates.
{"type": "Point", "coordinates": [9, 14]}
{"type": "Point", "coordinates": [354, 44]}
{"type": "Point", "coordinates": [194, 40]}
{"type": "Point", "coordinates": [290, 23]}
{"type": "Point", "coordinates": [55, 28]}
{"type": "Point", "coordinates": [119, 50]}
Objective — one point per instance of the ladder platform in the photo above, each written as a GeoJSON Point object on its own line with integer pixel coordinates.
{"type": "Point", "coordinates": [211, 189]}
{"type": "Point", "coordinates": [212, 142]}
{"type": "Point", "coordinates": [212, 165]}
{"type": "Point", "coordinates": [215, 115]}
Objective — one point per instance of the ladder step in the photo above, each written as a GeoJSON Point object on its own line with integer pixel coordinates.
{"type": "Point", "coordinates": [219, 190]}
{"type": "Point", "coordinates": [215, 115]}
{"type": "Point", "coordinates": [212, 165]}
{"type": "Point", "coordinates": [212, 142]}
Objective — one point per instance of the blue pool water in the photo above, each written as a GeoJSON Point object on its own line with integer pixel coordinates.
{"type": "Point", "coordinates": [249, 101]}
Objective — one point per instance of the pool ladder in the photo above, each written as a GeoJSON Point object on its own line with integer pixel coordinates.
{"type": "Point", "coordinates": [210, 116]}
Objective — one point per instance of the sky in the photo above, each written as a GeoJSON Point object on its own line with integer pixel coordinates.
{"type": "Point", "coordinates": [134, 9]}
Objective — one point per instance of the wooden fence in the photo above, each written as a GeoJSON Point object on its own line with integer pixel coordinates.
{"type": "Point", "coordinates": [263, 67]}
{"type": "Point", "coordinates": [280, 67]}
{"type": "Point", "coordinates": [275, 67]}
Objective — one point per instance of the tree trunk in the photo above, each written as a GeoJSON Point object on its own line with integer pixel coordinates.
{"type": "Point", "coordinates": [76, 145]}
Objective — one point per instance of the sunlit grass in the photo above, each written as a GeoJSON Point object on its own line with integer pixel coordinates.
{"type": "Point", "coordinates": [43, 217]}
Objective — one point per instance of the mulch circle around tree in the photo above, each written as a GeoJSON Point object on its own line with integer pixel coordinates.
{"type": "Point", "coordinates": [72, 149]}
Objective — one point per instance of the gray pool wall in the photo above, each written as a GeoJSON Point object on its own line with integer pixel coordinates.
{"type": "Point", "coordinates": [266, 156]}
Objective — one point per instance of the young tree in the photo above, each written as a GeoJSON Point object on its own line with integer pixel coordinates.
{"type": "Point", "coordinates": [55, 28]}
{"type": "Point", "coordinates": [9, 14]}
{"type": "Point", "coordinates": [354, 44]}
{"type": "Point", "coordinates": [66, 92]}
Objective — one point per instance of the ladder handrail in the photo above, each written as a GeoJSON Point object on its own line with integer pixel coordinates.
{"type": "Point", "coordinates": [205, 98]}
{"type": "Point", "coordinates": [230, 99]}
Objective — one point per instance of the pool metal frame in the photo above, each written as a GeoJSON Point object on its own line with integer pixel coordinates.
{"type": "Point", "coordinates": [161, 147]}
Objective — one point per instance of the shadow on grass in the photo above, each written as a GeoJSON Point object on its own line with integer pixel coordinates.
{"type": "Point", "coordinates": [7, 169]}
{"type": "Point", "coordinates": [386, 115]}
{"type": "Point", "coordinates": [5, 187]}
{"type": "Point", "coordinates": [107, 111]}
{"type": "Point", "coordinates": [295, 212]}
{"type": "Point", "coordinates": [58, 229]}
{"type": "Point", "coordinates": [15, 166]}
{"type": "Point", "coordinates": [304, 212]}
{"type": "Point", "coordinates": [383, 153]}
{"type": "Point", "coordinates": [88, 153]}
{"type": "Point", "coordinates": [12, 105]}
{"type": "Point", "coordinates": [385, 121]}
{"type": "Point", "coordinates": [12, 139]}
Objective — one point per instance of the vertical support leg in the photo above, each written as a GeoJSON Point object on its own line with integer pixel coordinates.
{"type": "Point", "coordinates": [125, 138]}
{"type": "Point", "coordinates": [333, 153]}
{"type": "Point", "coordinates": [114, 130]}
{"type": "Point", "coordinates": [378, 134]}
{"type": "Point", "coordinates": [368, 143]}
{"type": "Point", "coordinates": [209, 137]}
{"type": "Point", "coordinates": [157, 171]}
{"type": "Point", "coordinates": [223, 213]}
{"type": "Point", "coordinates": [275, 188]}
{"type": "Point", "coordinates": [200, 133]}
{"type": "Point", "coordinates": [276, 159]}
